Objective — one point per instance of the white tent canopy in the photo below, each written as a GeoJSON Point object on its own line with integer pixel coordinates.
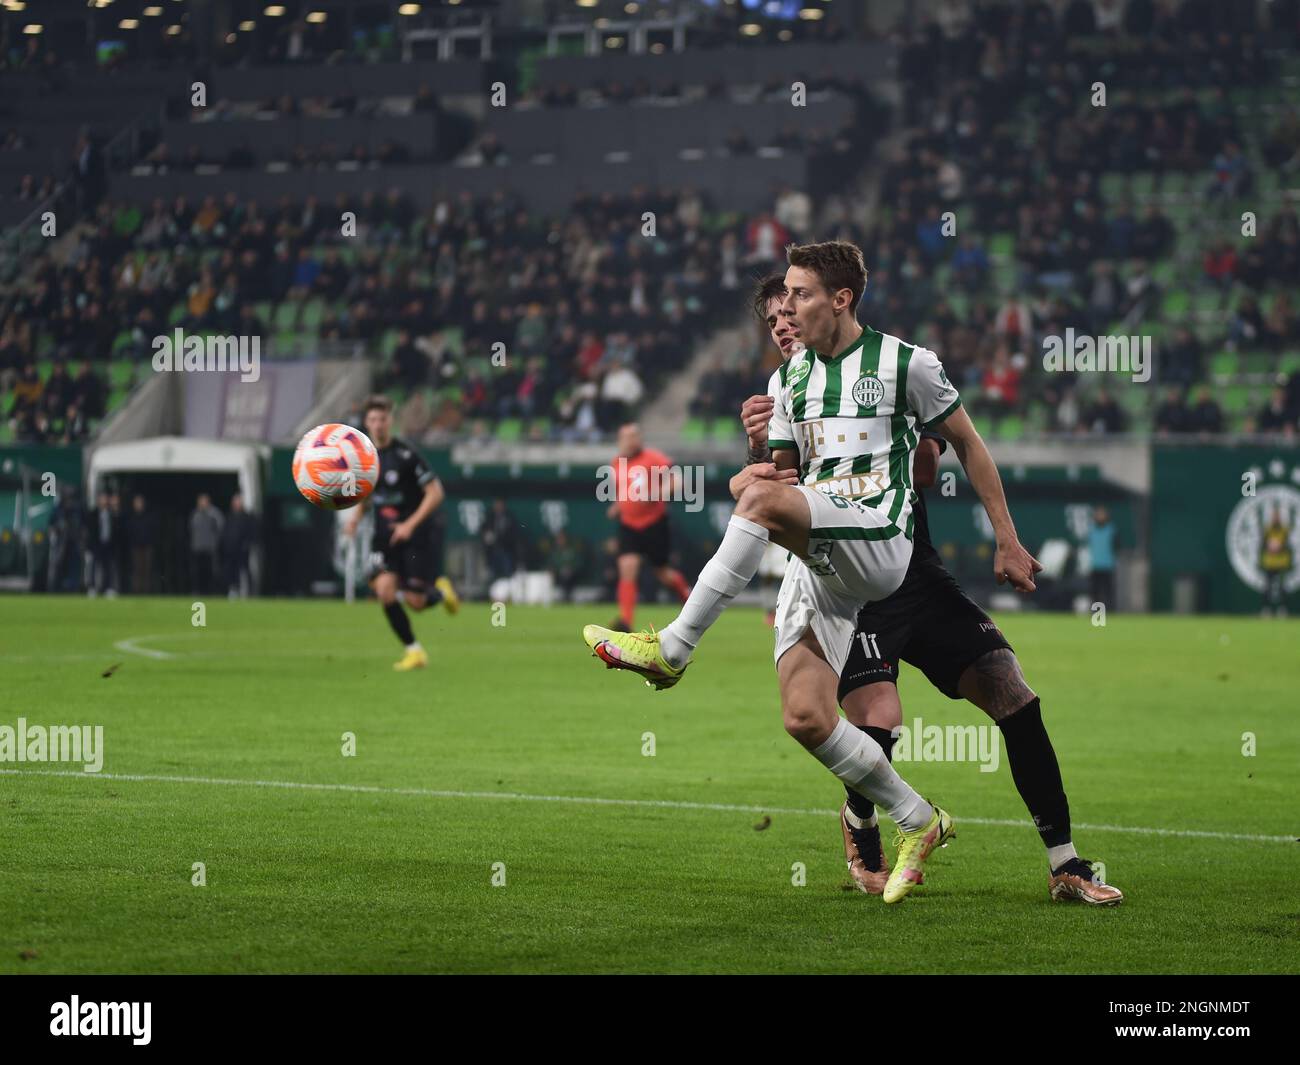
{"type": "Point", "coordinates": [178, 454]}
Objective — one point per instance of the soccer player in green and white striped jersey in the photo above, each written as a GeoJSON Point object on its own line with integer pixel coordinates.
{"type": "Point", "coordinates": [854, 432]}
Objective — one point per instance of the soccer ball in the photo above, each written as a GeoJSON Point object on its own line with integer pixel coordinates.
{"type": "Point", "coordinates": [335, 466]}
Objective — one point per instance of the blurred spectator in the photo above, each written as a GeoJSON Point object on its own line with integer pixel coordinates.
{"type": "Point", "coordinates": [1101, 558]}
{"type": "Point", "coordinates": [103, 529]}
{"type": "Point", "coordinates": [238, 534]}
{"type": "Point", "coordinates": [205, 542]}
{"type": "Point", "coordinates": [500, 537]}
{"type": "Point", "coordinates": [1275, 417]}
{"type": "Point", "coordinates": [142, 530]}
{"type": "Point", "coordinates": [568, 563]}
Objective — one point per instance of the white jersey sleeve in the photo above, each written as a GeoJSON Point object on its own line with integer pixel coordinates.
{"type": "Point", "coordinates": [929, 392]}
{"type": "Point", "coordinates": [780, 433]}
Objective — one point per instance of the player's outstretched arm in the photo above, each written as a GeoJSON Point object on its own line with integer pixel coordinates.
{"type": "Point", "coordinates": [1011, 562]}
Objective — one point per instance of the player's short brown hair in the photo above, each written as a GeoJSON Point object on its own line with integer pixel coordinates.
{"type": "Point", "coordinates": [377, 402]}
{"type": "Point", "coordinates": [837, 263]}
{"type": "Point", "coordinates": [765, 290]}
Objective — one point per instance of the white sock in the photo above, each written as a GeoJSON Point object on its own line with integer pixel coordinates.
{"type": "Point", "coordinates": [856, 822]}
{"type": "Point", "coordinates": [723, 577]}
{"type": "Point", "coordinates": [414, 646]}
{"type": "Point", "coordinates": [859, 762]}
{"type": "Point", "coordinates": [1058, 856]}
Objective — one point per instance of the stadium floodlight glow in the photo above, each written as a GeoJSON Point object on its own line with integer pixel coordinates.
{"type": "Point", "coordinates": [751, 29]}
{"type": "Point", "coordinates": [15, 6]}
{"type": "Point", "coordinates": [614, 42]}
{"type": "Point", "coordinates": [152, 12]}
{"type": "Point", "coordinates": [174, 29]}
{"type": "Point", "coordinates": [587, 3]}
{"type": "Point", "coordinates": [33, 28]}
{"type": "Point", "coordinates": [409, 9]}
{"type": "Point", "coordinates": [316, 16]}
{"type": "Point", "coordinates": [231, 38]}
{"type": "Point", "coordinates": [811, 14]}
{"type": "Point", "coordinates": [631, 8]}
{"type": "Point", "coordinates": [128, 23]}
{"type": "Point", "coordinates": [274, 11]}
{"type": "Point", "coordinates": [247, 26]}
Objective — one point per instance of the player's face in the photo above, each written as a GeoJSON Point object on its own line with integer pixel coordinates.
{"type": "Point", "coordinates": [813, 310]}
{"type": "Point", "coordinates": [379, 426]}
{"type": "Point", "coordinates": [784, 335]}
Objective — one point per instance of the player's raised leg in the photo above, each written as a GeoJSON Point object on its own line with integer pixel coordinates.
{"type": "Point", "coordinates": [662, 657]}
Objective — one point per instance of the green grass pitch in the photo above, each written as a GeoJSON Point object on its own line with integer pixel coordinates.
{"type": "Point", "coordinates": [385, 861]}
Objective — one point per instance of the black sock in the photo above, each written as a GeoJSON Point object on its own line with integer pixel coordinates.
{"type": "Point", "coordinates": [1037, 775]}
{"type": "Point", "coordinates": [396, 615]}
{"type": "Point", "coordinates": [860, 805]}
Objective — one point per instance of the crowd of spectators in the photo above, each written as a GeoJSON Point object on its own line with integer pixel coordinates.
{"type": "Point", "coordinates": [996, 228]}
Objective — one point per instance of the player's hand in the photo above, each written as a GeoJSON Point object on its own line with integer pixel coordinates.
{"type": "Point", "coordinates": [755, 413]}
{"type": "Point", "coordinates": [1013, 564]}
{"type": "Point", "coordinates": [761, 471]}
{"type": "Point", "coordinates": [351, 525]}
{"type": "Point", "coordinates": [401, 533]}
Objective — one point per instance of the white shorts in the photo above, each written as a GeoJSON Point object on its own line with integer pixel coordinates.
{"type": "Point", "coordinates": [855, 556]}
{"type": "Point", "coordinates": [805, 601]}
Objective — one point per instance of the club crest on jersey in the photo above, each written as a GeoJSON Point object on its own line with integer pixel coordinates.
{"type": "Point", "coordinates": [797, 372]}
{"type": "Point", "coordinates": [868, 391]}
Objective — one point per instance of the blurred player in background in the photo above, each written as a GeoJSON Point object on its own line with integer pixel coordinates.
{"type": "Point", "coordinates": [1276, 562]}
{"type": "Point", "coordinates": [406, 545]}
{"type": "Point", "coordinates": [641, 473]}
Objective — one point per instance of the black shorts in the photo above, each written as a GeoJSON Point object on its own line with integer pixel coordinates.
{"type": "Point", "coordinates": [417, 562]}
{"type": "Point", "coordinates": [929, 623]}
{"type": "Point", "coordinates": [655, 542]}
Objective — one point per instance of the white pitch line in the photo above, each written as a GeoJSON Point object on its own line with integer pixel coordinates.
{"type": "Point", "coordinates": [589, 800]}
{"type": "Point", "coordinates": [129, 646]}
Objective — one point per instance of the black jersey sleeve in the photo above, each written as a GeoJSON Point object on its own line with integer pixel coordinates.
{"type": "Point", "coordinates": [929, 434]}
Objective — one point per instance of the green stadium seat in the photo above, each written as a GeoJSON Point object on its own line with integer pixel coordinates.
{"type": "Point", "coordinates": [1176, 303]}
{"type": "Point", "coordinates": [509, 429]}
{"type": "Point", "coordinates": [695, 430]}
{"type": "Point", "coordinates": [1002, 246]}
{"type": "Point", "coordinates": [1174, 184]}
{"type": "Point", "coordinates": [1238, 399]}
{"type": "Point", "coordinates": [1011, 427]}
{"type": "Point", "coordinates": [725, 428]}
{"type": "Point", "coordinates": [1289, 362]}
{"type": "Point", "coordinates": [286, 317]}
{"type": "Point", "coordinates": [121, 374]}
{"type": "Point", "coordinates": [1225, 365]}
{"type": "Point", "coordinates": [178, 311]}
{"type": "Point", "coordinates": [313, 312]}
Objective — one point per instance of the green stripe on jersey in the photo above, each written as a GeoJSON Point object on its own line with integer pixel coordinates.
{"type": "Point", "coordinates": [854, 532]}
{"type": "Point", "coordinates": [870, 365]}
{"type": "Point", "coordinates": [830, 404]}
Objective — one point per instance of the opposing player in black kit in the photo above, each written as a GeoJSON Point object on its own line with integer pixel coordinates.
{"type": "Point", "coordinates": [931, 624]}
{"type": "Point", "coordinates": [406, 546]}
